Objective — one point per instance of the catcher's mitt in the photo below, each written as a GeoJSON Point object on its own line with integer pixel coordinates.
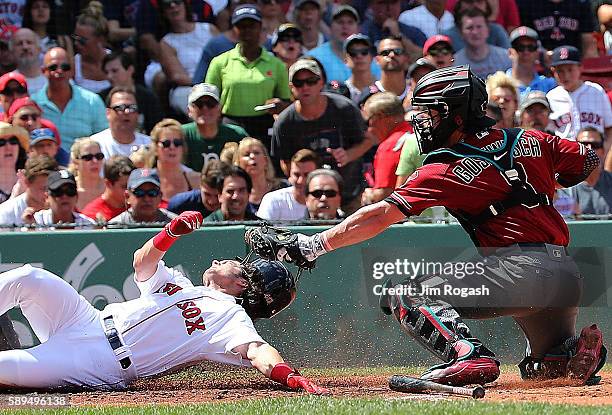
{"type": "Point", "coordinates": [277, 244]}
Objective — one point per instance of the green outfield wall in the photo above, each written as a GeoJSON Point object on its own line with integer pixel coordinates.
{"type": "Point", "coordinates": [335, 320]}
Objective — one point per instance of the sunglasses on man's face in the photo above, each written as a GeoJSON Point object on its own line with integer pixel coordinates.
{"type": "Point", "coordinates": [140, 193]}
{"type": "Point", "coordinates": [526, 48]}
{"type": "Point", "coordinates": [69, 191]}
{"type": "Point", "coordinates": [287, 38]}
{"type": "Point", "coordinates": [395, 51]}
{"type": "Point", "coordinates": [439, 51]}
{"type": "Point", "coordinates": [208, 103]}
{"type": "Point", "coordinates": [298, 83]}
{"type": "Point", "coordinates": [18, 90]}
{"type": "Point", "coordinates": [178, 142]}
{"type": "Point", "coordinates": [26, 117]}
{"type": "Point", "coordinates": [63, 66]}
{"type": "Point", "coordinates": [125, 108]}
{"type": "Point", "coordinates": [353, 53]}
{"type": "Point", "coordinates": [13, 140]}
{"type": "Point", "coordinates": [90, 157]}
{"type": "Point", "coordinates": [320, 192]}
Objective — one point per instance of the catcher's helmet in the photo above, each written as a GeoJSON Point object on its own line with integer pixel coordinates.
{"type": "Point", "coordinates": [272, 288]}
{"type": "Point", "coordinates": [459, 97]}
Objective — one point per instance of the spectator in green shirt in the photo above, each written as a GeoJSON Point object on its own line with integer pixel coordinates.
{"type": "Point", "coordinates": [249, 76]}
{"type": "Point", "coordinates": [206, 135]}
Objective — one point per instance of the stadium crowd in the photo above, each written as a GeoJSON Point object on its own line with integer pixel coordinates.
{"type": "Point", "coordinates": [129, 112]}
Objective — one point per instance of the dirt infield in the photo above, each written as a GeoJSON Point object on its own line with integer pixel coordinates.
{"type": "Point", "coordinates": [225, 384]}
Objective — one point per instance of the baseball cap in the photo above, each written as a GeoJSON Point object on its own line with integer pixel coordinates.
{"type": "Point", "coordinates": [534, 97]}
{"type": "Point", "coordinates": [246, 11]}
{"type": "Point", "coordinates": [565, 55]}
{"type": "Point", "coordinates": [523, 31]}
{"type": "Point", "coordinates": [355, 38]}
{"type": "Point", "coordinates": [42, 134]}
{"type": "Point", "coordinates": [19, 103]}
{"type": "Point", "coordinates": [59, 178]}
{"type": "Point", "coordinates": [304, 64]}
{"type": "Point", "coordinates": [299, 3]}
{"type": "Point", "coordinates": [421, 63]}
{"type": "Point", "coordinates": [203, 89]}
{"type": "Point", "coordinates": [284, 30]}
{"type": "Point", "coordinates": [436, 39]}
{"type": "Point", "coordinates": [345, 8]}
{"type": "Point", "coordinates": [139, 177]}
{"type": "Point", "coordinates": [12, 76]}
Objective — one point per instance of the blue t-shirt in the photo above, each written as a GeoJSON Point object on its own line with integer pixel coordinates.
{"type": "Point", "coordinates": [335, 68]}
{"type": "Point", "coordinates": [497, 37]}
{"type": "Point", "coordinates": [191, 200]}
{"type": "Point", "coordinates": [215, 46]}
{"type": "Point", "coordinates": [538, 83]}
{"type": "Point", "coordinates": [375, 32]}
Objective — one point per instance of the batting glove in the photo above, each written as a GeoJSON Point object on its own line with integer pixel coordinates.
{"type": "Point", "coordinates": [288, 376]}
{"type": "Point", "coordinates": [183, 224]}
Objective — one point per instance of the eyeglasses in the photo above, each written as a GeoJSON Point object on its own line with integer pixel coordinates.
{"type": "Point", "coordinates": [592, 144]}
{"type": "Point", "coordinates": [298, 83]}
{"type": "Point", "coordinates": [79, 39]}
{"type": "Point", "coordinates": [90, 157]}
{"type": "Point", "coordinates": [69, 191]}
{"type": "Point", "coordinates": [125, 108]}
{"type": "Point", "coordinates": [178, 142]}
{"type": "Point", "coordinates": [208, 103]}
{"type": "Point", "coordinates": [26, 117]}
{"type": "Point", "coordinates": [13, 140]}
{"type": "Point", "coordinates": [440, 51]}
{"type": "Point", "coordinates": [353, 53]}
{"type": "Point", "coordinates": [328, 193]}
{"type": "Point", "coordinates": [139, 193]}
{"type": "Point", "coordinates": [17, 90]}
{"type": "Point", "coordinates": [395, 51]}
{"type": "Point", "coordinates": [528, 48]}
{"type": "Point", "coordinates": [63, 66]}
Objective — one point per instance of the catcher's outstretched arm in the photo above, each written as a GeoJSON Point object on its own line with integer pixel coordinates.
{"type": "Point", "coordinates": [364, 224]}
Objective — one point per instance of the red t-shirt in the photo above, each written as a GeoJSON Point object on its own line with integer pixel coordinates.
{"type": "Point", "coordinates": [507, 16]}
{"type": "Point", "coordinates": [470, 186]}
{"type": "Point", "coordinates": [99, 206]}
{"type": "Point", "coordinates": [387, 156]}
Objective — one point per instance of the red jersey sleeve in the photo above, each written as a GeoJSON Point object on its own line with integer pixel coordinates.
{"type": "Point", "coordinates": [572, 161]}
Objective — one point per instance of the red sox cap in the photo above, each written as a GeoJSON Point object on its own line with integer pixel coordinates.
{"type": "Point", "coordinates": [564, 55]}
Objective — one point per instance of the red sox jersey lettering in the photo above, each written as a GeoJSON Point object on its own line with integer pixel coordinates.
{"type": "Point", "coordinates": [191, 313]}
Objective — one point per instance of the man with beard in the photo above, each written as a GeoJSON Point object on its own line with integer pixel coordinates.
{"type": "Point", "coordinates": [393, 61]}
{"type": "Point", "coordinates": [25, 45]}
{"type": "Point", "coordinates": [534, 112]}
{"type": "Point", "coordinates": [234, 191]}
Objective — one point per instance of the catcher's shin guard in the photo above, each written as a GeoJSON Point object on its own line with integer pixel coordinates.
{"type": "Point", "coordinates": [8, 337]}
{"type": "Point", "coordinates": [438, 327]}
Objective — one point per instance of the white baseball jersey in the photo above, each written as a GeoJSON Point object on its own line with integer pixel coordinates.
{"type": "Point", "coordinates": [170, 325]}
{"type": "Point", "coordinates": [174, 323]}
{"type": "Point", "coordinates": [586, 106]}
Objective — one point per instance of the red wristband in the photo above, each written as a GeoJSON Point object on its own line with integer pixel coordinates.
{"type": "Point", "coordinates": [280, 373]}
{"type": "Point", "coordinates": [163, 241]}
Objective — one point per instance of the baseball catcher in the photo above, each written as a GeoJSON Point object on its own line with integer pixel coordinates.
{"type": "Point", "coordinates": [499, 185]}
{"type": "Point", "coordinates": [172, 324]}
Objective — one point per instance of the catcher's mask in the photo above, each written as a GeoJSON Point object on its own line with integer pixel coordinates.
{"type": "Point", "coordinates": [271, 287]}
{"type": "Point", "coordinates": [458, 96]}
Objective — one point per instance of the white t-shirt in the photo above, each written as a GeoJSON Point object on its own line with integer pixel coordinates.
{"type": "Point", "coordinates": [45, 217]}
{"type": "Point", "coordinates": [110, 147]}
{"type": "Point", "coordinates": [174, 323]}
{"type": "Point", "coordinates": [188, 46]}
{"type": "Point", "coordinates": [89, 84]}
{"type": "Point", "coordinates": [35, 84]}
{"type": "Point", "coordinates": [586, 106]}
{"type": "Point", "coordinates": [429, 24]}
{"type": "Point", "coordinates": [281, 205]}
{"type": "Point", "coordinates": [12, 209]}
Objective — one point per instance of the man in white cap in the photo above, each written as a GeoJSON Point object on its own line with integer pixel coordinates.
{"type": "Point", "coordinates": [206, 135]}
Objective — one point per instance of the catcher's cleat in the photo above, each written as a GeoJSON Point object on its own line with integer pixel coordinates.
{"type": "Point", "coordinates": [383, 300]}
{"type": "Point", "coordinates": [479, 370]}
{"type": "Point", "coordinates": [277, 244]}
{"type": "Point", "coordinates": [590, 355]}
